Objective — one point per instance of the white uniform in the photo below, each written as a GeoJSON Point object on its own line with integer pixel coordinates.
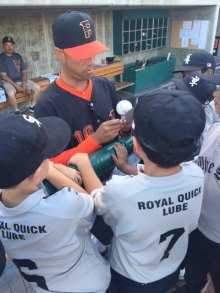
{"type": "Point", "coordinates": [211, 117]}
{"type": "Point", "coordinates": [151, 218]}
{"type": "Point", "coordinates": [48, 238]}
{"type": "Point", "coordinates": [209, 161]}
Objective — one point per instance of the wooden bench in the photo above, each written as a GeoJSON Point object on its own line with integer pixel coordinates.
{"type": "Point", "coordinates": [111, 70]}
{"type": "Point", "coordinates": [21, 97]}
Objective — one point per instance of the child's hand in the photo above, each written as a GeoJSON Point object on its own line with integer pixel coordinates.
{"type": "Point", "coordinates": [121, 157]}
{"type": "Point", "coordinates": [78, 158]}
{"type": "Point", "coordinates": [70, 173]}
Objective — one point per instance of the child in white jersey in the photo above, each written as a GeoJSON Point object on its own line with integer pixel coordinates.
{"type": "Point", "coordinates": [47, 237]}
{"type": "Point", "coordinates": [204, 243]}
{"type": "Point", "coordinates": [203, 92]}
{"type": "Point", "coordinates": [152, 213]}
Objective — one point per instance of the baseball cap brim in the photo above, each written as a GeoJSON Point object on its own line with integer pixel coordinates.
{"type": "Point", "coordinates": [87, 50]}
{"type": "Point", "coordinates": [186, 68]}
{"type": "Point", "coordinates": [58, 135]}
{"type": "Point", "coordinates": [215, 79]}
{"type": "Point", "coordinates": [180, 85]}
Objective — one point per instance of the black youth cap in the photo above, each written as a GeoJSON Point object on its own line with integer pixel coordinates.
{"type": "Point", "coordinates": [8, 39]}
{"type": "Point", "coordinates": [199, 88]}
{"type": "Point", "coordinates": [26, 142]}
{"type": "Point", "coordinates": [214, 79]}
{"type": "Point", "coordinates": [74, 32]}
{"type": "Point", "coordinates": [165, 117]}
{"type": "Point", "coordinates": [197, 61]}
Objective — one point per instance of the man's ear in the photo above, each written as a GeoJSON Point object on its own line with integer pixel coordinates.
{"type": "Point", "coordinates": [59, 53]}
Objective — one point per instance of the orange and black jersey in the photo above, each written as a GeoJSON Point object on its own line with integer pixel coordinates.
{"type": "Point", "coordinates": [83, 112]}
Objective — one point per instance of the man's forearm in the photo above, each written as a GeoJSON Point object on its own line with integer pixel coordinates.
{"type": "Point", "coordinates": [8, 79]}
{"type": "Point", "coordinates": [88, 146]}
{"type": "Point", "coordinates": [24, 77]}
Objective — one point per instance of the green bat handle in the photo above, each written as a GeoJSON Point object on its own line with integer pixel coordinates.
{"type": "Point", "coordinates": [101, 160]}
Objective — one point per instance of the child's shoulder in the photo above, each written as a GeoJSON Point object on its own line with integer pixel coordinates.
{"type": "Point", "coordinates": [68, 202]}
{"type": "Point", "coordinates": [192, 169]}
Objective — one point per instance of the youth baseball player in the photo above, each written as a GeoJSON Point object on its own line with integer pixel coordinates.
{"type": "Point", "coordinates": [204, 244]}
{"type": "Point", "coordinates": [152, 213]}
{"type": "Point", "coordinates": [203, 92]}
{"type": "Point", "coordinates": [47, 237]}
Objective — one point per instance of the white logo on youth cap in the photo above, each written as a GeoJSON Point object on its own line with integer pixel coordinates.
{"type": "Point", "coordinates": [31, 119]}
{"type": "Point", "coordinates": [187, 60]}
{"type": "Point", "coordinates": [209, 65]}
{"type": "Point", "coordinates": [194, 81]}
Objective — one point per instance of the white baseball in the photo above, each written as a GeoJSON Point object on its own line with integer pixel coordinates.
{"type": "Point", "coordinates": [123, 107]}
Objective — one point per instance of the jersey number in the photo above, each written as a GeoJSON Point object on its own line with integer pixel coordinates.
{"type": "Point", "coordinates": [80, 137]}
{"type": "Point", "coordinates": [176, 235]}
{"type": "Point", "coordinates": [27, 263]}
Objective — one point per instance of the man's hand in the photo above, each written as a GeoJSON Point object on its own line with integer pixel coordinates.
{"type": "Point", "coordinates": [125, 126]}
{"type": "Point", "coordinates": [108, 131]}
{"type": "Point", "coordinates": [19, 89]}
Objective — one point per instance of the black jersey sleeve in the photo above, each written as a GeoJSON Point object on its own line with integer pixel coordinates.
{"type": "Point", "coordinates": [45, 105]}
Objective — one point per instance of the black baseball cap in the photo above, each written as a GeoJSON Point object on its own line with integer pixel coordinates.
{"type": "Point", "coordinates": [162, 118]}
{"type": "Point", "coordinates": [7, 39]}
{"type": "Point", "coordinates": [74, 32]}
{"type": "Point", "coordinates": [26, 142]}
{"type": "Point", "coordinates": [214, 79]}
{"type": "Point", "coordinates": [197, 61]}
{"type": "Point", "coordinates": [199, 88]}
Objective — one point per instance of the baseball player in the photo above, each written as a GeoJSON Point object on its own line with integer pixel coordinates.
{"type": "Point", "coordinates": [197, 62]}
{"type": "Point", "coordinates": [47, 237]}
{"type": "Point", "coordinates": [204, 244]}
{"type": "Point", "coordinates": [153, 212]}
{"type": "Point", "coordinates": [203, 91]}
{"type": "Point", "coordinates": [86, 103]}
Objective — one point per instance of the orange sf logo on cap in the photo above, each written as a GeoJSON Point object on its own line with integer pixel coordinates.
{"type": "Point", "coordinates": [86, 28]}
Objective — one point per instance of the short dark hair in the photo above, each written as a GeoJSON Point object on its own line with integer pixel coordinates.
{"type": "Point", "coordinates": [178, 153]}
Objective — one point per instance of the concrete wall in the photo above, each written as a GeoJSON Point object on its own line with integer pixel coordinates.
{"type": "Point", "coordinates": [199, 13]}
{"type": "Point", "coordinates": [32, 33]}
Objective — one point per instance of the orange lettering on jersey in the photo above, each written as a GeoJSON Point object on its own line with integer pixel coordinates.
{"type": "Point", "coordinates": [88, 130]}
{"type": "Point", "coordinates": [80, 137]}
